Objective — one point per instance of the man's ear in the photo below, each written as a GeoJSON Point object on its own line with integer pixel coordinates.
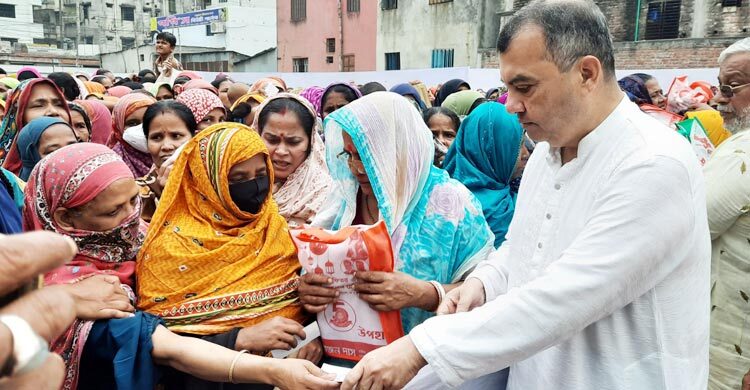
{"type": "Point", "coordinates": [591, 71]}
{"type": "Point", "coordinates": [64, 219]}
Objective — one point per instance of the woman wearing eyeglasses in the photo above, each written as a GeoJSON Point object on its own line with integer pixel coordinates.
{"type": "Point", "coordinates": [380, 154]}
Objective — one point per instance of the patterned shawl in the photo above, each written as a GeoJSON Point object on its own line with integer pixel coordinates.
{"type": "Point", "coordinates": [436, 225]}
{"type": "Point", "coordinates": [634, 86]}
{"type": "Point", "coordinates": [13, 120]}
{"type": "Point", "coordinates": [200, 102]}
{"type": "Point", "coordinates": [206, 266]}
{"type": "Point", "coordinates": [313, 95]}
{"type": "Point", "coordinates": [71, 177]}
{"type": "Point", "coordinates": [303, 193]}
{"type": "Point", "coordinates": [483, 158]}
{"type": "Point", "coordinates": [101, 120]}
{"type": "Point", "coordinates": [139, 162]}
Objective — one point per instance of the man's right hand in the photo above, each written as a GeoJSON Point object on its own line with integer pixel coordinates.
{"type": "Point", "coordinates": [464, 298]}
{"type": "Point", "coordinates": [313, 294]}
{"type": "Point", "coordinates": [100, 297]}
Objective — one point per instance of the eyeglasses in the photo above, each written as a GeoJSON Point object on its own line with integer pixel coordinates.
{"type": "Point", "coordinates": [354, 164]}
{"type": "Point", "coordinates": [728, 91]}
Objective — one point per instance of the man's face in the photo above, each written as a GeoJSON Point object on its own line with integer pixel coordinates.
{"type": "Point", "coordinates": [547, 101]}
{"type": "Point", "coordinates": [163, 47]}
{"type": "Point", "coordinates": [734, 72]}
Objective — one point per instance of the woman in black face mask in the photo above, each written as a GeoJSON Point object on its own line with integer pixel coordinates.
{"type": "Point", "coordinates": [218, 260]}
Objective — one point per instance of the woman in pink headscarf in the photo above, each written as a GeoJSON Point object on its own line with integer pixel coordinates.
{"type": "Point", "coordinates": [101, 120]}
{"type": "Point", "coordinates": [200, 84]}
{"type": "Point", "coordinates": [314, 95]}
{"type": "Point", "coordinates": [128, 112]}
{"type": "Point", "coordinates": [207, 108]}
{"type": "Point", "coordinates": [119, 91]}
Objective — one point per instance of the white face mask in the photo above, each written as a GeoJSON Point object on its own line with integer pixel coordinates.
{"type": "Point", "coordinates": [135, 137]}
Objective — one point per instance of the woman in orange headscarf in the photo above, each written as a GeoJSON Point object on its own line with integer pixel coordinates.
{"type": "Point", "coordinates": [218, 260]}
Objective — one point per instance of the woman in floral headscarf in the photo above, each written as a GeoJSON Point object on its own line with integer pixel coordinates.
{"type": "Point", "coordinates": [380, 154]}
{"type": "Point", "coordinates": [207, 108]}
{"type": "Point", "coordinates": [128, 112]}
{"type": "Point", "coordinates": [290, 128]}
{"type": "Point", "coordinates": [31, 99]}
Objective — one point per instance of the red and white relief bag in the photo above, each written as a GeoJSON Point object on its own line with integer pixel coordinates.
{"type": "Point", "coordinates": [349, 327]}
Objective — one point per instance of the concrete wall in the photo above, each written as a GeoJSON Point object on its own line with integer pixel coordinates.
{"type": "Point", "coordinates": [415, 28]}
{"type": "Point", "coordinates": [265, 62]}
{"type": "Point", "coordinates": [307, 38]}
{"type": "Point", "coordinates": [22, 27]}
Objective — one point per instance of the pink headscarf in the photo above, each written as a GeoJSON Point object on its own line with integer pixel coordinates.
{"type": "Point", "coordinates": [29, 69]}
{"type": "Point", "coordinates": [200, 102]}
{"type": "Point", "coordinates": [314, 96]}
{"type": "Point", "coordinates": [139, 162]}
{"type": "Point", "coordinates": [71, 177]}
{"type": "Point", "coordinates": [200, 84]}
{"type": "Point", "coordinates": [190, 74]}
{"type": "Point", "coordinates": [119, 91]}
{"type": "Point", "coordinates": [101, 120]}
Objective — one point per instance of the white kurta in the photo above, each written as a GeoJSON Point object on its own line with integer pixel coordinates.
{"type": "Point", "coordinates": [603, 282]}
{"type": "Point", "coordinates": [728, 196]}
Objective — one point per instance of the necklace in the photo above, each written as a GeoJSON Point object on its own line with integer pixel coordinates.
{"type": "Point", "coordinates": [372, 217]}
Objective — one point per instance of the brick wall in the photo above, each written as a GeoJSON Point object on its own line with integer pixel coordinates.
{"type": "Point", "coordinates": [666, 54]}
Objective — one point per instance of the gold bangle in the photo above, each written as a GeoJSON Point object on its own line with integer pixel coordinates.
{"type": "Point", "coordinates": [234, 362]}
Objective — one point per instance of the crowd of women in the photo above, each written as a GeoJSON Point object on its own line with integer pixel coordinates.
{"type": "Point", "coordinates": [180, 192]}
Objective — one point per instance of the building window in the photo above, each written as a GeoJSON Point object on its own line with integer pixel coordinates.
{"type": "Point", "coordinates": [329, 60]}
{"type": "Point", "coordinates": [7, 11]}
{"type": "Point", "coordinates": [389, 4]}
{"type": "Point", "coordinates": [172, 7]}
{"type": "Point", "coordinates": [110, 5]}
{"type": "Point", "coordinates": [208, 30]}
{"type": "Point", "coordinates": [731, 3]}
{"type": "Point", "coordinates": [331, 45]}
{"type": "Point", "coordinates": [88, 40]}
{"type": "Point", "coordinates": [128, 13]}
{"type": "Point", "coordinates": [442, 58]}
{"type": "Point", "coordinates": [352, 6]}
{"type": "Point", "coordinates": [299, 65]}
{"type": "Point", "coordinates": [439, 1]}
{"type": "Point", "coordinates": [127, 43]}
{"type": "Point", "coordinates": [299, 10]}
{"type": "Point", "coordinates": [392, 61]}
{"type": "Point", "coordinates": [663, 20]}
{"type": "Point", "coordinates": [349, 63]}
{"type": "Point", "coordinates": [143, 57]}
{"type": "Point", "coordinates": [85, 8]}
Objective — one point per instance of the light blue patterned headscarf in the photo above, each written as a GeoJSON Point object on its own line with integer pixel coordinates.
{"type": "Point", "coordinates": [437, 227]}
{"type": "Point", "coordinates": [483, 157]}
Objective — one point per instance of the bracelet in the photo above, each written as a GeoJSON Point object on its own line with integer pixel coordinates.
{"type": "Point", "coordinates": [440, 290]}
{"type": "Point", "coordinates": [234, 362]}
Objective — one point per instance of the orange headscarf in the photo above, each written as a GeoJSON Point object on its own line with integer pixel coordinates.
{"type": "Point", "coordinates": [94, 87]}
{"type": "Point", "coordinates": [206, 266]}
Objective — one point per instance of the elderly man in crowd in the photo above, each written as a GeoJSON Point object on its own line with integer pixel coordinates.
{"type": "Point", "coordinates": [603, 282]}
{"type": "Point", "coordinates": [728, 203]}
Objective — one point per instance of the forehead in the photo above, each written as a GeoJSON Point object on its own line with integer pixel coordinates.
{"type": "Point", "coordinates": [43, 90]}
{"type": "Point", "coordinates": [735, 64]}
{"type": "Point", "coordinates": [250, 165]}
{"type": "Point", "coordinates": [526, 56]}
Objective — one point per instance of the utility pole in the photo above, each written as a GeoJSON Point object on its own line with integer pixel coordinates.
{"type": "Point", "coordinates": [78, 28]}
{"type": "Point", "coordinates": [62, 24]}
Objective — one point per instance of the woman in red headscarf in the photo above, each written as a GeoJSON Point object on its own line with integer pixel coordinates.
{"type": "Point", "coordinates": [101, 120]}
{"type": "Point", "coordinates": [32, 99]}
{"type": "Point", "coordinates": [128, 112]}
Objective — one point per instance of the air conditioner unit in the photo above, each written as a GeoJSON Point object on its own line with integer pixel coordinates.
{"type": "Point", "coordinates": [218, 28]}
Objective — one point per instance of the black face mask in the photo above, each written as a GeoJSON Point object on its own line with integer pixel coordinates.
{"type": "Point", "coordinates": [249, 195]}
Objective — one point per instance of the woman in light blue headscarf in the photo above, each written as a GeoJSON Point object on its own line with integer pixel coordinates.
{"type": "Point", "coordinates": [32, 147]}
{"type": "Point", "coordinates": [380, 152]}
{"type": "Point", "coordinates": [486, 156]}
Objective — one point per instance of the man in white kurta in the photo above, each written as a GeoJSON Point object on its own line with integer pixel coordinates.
{"type": "Point", "coordinates": [603, 282]}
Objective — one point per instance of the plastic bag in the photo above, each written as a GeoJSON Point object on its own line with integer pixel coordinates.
{"type": "Point", "coordinates": [681, 96]}
{"type": "Point", "coordinates": [667, 118]}
{"type": "Point", "coordinates": [349, 327]}
{"type": "Point", "coordinates": [693, 130]}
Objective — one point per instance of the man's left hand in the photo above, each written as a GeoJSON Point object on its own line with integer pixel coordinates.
{"type": "Point", "coordinates": [389, 367]}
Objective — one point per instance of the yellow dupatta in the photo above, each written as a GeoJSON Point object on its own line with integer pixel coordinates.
{"type": "Point", "coordinates": [206, 266]}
